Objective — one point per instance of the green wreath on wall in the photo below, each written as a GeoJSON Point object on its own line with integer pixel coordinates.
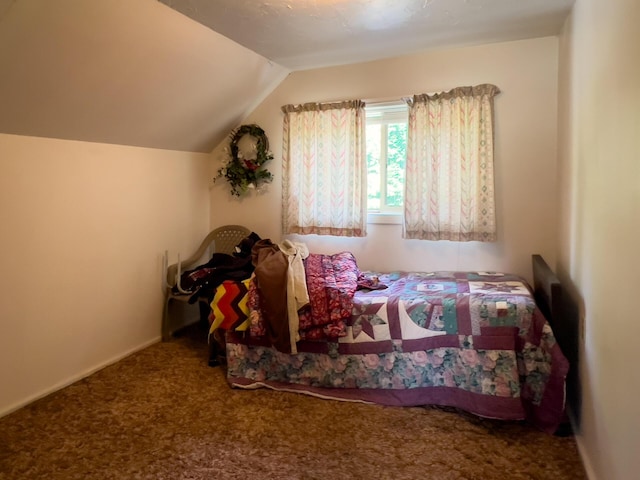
{"type": "Point", "coordinates": [245, 174]}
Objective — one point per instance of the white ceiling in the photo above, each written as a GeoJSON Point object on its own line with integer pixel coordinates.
{"type": "Point", "coordinates": [303, 34]}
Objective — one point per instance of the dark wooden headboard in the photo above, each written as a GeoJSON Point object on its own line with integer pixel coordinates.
{"type": "Point", "coordinates": [546, 289]}
{"type": "Point", "coordinates": [562, 313]}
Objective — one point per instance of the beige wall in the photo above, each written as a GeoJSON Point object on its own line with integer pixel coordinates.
{"type": "Point", "coordinates": [525, 157]}
{"type": "Point", "coordinates": [84, 227]}
{"type": "Point", "coordinates": [600, 223]}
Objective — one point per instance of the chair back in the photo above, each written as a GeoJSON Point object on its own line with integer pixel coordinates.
{"type": "Point", "coordinates": [220, 240]}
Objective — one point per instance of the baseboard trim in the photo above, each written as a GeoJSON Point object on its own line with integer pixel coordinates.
{"type": "Point", "coordinates": [585, 458]}
{"type": "Point", "coordinates": [75, 378]}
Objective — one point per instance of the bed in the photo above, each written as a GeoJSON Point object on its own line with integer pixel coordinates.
{"type": "Point", "coordinates": [476, 341]}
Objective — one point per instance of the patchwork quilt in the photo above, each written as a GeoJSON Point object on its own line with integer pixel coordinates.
{"type": "Point", "coordinates": [471, 340]}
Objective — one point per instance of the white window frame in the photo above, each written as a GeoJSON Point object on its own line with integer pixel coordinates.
{"type": "Point", "coordinates": [383, 114]}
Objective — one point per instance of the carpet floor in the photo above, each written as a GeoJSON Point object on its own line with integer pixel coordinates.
{"type": "Point", "coordinates": [163, 413]}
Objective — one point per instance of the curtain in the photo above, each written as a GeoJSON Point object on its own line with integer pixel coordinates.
{"type": "Point", "coordinates": [324, 169]}
{"type": "Point", "coordinates": [449, 188]}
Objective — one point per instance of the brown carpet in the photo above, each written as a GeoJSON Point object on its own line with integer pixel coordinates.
{"type": "Point", "coordinates": [163, 413]}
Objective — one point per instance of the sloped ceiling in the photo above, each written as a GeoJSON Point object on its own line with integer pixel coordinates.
{"type": "Point", "coordinates": [303, 34]}
{"type": "Point", "coordinates": [181, 74]}
{"type": "Point", "coordinates": [124, 72]}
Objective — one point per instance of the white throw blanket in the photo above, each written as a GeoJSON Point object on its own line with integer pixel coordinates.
{"type": "Point", "coordinates": [297, 294]}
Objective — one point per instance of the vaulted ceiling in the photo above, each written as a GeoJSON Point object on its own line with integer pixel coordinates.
{"type": "Point", "coordinates": [180, 74]}
{"type": "Point", "coordinates": [124, 72]}
{"type": "Point", "coordinates": [303, 34]}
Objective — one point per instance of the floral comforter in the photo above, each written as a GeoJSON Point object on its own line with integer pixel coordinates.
{"type": "Point", "coordinates": [472, 340]}
{"type": "Point", "coordinates": [332, 281]}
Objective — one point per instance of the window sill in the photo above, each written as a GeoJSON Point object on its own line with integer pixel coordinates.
{"type": "Point", "coordinates": [385, 218]}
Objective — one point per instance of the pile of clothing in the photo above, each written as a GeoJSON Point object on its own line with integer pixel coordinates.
{"type": "Point", "coordinates": [202, 281]}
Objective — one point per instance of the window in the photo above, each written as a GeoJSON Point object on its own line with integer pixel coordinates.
{"type": "Point", "coordinates": [386, 134]}
{"type": "Point", "coordinates": [427, 164]}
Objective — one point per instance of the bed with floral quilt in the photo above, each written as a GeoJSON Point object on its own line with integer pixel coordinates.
{"type": "Point", "coordinates": [476, 341]}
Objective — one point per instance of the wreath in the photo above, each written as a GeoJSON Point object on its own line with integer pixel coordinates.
{"type": "Point", "coordinates": [244, 174]}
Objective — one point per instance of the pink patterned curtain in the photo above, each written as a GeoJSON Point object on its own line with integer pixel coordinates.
{"type": "Point", "coordinates": [449, 190]}
{"type": "Point", "coordinates": [324, 169]}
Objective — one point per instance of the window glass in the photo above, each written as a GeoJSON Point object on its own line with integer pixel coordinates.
{"type": "Point", "coordinates": [373, 166]}
{"type": "Point", "coordinates": [396, 156]}
{"type": "Point", "coordinates": [386, 156]}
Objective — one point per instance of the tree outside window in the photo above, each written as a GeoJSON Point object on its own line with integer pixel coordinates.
{"type": "Point", "coordinates": [386, 156]}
